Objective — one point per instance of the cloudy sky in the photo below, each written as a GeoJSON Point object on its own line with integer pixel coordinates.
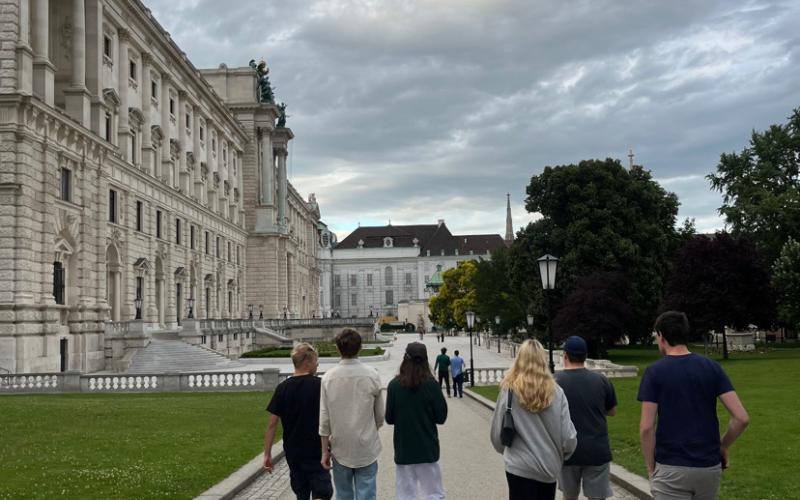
{"type": "Point", "coordinates": [434, 109]}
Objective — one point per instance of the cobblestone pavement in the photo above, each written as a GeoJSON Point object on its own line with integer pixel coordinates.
{"type": "Point", "coordinates": [268, 486]}
{"type": "Point", "coordinates": [470, 466]}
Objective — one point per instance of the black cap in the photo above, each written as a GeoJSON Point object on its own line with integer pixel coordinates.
{"type": "Point", "coordinates": [417, 351]}
{"type": "Point", "coordinates": [575, 346]}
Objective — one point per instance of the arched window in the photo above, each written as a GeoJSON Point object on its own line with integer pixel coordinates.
{"type": "Point", "coordinates": [388, 277]}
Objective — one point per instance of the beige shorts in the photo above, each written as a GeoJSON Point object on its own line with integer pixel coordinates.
{"type": "Point", "coordinates": [672, 482]}
{"type": "Point", "coordinates": [595, 479]}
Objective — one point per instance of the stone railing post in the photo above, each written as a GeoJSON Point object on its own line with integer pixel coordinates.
{"type": "Point", "coordinates": [270, 377]}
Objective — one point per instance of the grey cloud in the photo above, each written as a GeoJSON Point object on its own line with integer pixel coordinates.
{"type": "Point", "coordinates": [435, 109]}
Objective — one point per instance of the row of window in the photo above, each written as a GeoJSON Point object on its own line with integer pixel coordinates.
{"type": "Point", "coordinates": [133, 73]}
{"type": "Point", "coordinates": [388, 278]}
{"type": "Point", "coordinates": [337, 299]}
{"type": "Point", "coordinates": [113, 216]}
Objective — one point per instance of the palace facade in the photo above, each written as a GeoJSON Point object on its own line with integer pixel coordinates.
{"type": "Point", "coordinates": [135, 188]}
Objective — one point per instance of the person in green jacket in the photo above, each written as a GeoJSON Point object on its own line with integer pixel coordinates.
{"type": "Point", "coordinates": [414, 405]}
{"type": "Point", "coordinates": [443, 364]}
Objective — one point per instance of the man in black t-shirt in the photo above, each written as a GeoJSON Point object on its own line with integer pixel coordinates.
{"type": "Point", "coordinates": [296, 404]}
{"type": "Point", "coordinates": [591, 398]}
{"type": "Point", "coordinates": [683, 451]}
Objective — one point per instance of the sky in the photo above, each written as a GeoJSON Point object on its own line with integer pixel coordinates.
{"type": "Point", "coordinates": [411, 111]}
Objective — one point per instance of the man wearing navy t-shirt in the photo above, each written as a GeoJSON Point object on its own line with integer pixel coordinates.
{"type": "Point", "coordinates": [679, 429]}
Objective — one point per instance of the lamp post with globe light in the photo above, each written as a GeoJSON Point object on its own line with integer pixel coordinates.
{"type": "Point", "coordinates": [470, 324]}
{"type": "Point", "coordinates": [548, 265]}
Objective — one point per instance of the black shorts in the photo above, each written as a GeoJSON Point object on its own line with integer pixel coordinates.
{"type": "Point", "coordinates": [310, 480]}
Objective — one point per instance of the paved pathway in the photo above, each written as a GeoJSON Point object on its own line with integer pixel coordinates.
{"type": "Point", "coordinates": [470, 466]}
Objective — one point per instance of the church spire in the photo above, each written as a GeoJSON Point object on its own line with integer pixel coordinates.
{"type": "Point", "coordinates": [509, 227]}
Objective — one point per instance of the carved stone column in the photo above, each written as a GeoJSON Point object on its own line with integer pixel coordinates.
{"type": "Point", "coordinates": [77, 97]}
{"type": "Point", "coordinates": [197, 184]}
{"type": "Point", "coordinates": [24, 50]}
{"type": "Point", "coordinates": [281, 153]}
{"type": "Point", "coordinates": [148, 152]}
{"type": "Point", "coordinates": [43, 69]}
{"type": "Point", "coordinates": [166, 160]}
{"type": "Point", "coordinates": [267, 166]}
{"type": "Point", "coordinates": [123, 129]}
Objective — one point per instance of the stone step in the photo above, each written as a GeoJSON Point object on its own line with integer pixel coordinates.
{"type": "Point", "coordinates": [168, 355]}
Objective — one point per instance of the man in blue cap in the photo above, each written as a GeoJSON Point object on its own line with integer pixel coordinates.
{"type": "Point", "coordinates": [591, 398]}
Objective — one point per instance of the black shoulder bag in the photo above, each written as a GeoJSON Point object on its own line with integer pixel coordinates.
{"type": "Point", "coordinates": [507, 432]}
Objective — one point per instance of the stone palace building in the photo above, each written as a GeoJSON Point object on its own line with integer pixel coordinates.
{"type": "Point", "coordinates": [384, 270]}
{"type": "Point", "coordinates": [134, 184]}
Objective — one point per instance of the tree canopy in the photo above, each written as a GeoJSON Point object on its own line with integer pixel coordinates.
{"type": "Point", "coordinates": [495, 295]}
{"type": "Point", "coordinates": [786, 280]}
{"type": "Point", "coordinates": [598, 310]}
{"type": "Point", "coordinates": [456, 296]}
{"type": "Point", "coordinates": [761, 187]}
{"type": "Point", "coordinates": [598, 216]}
{"type": "Point", "coordinates": [719, 281]}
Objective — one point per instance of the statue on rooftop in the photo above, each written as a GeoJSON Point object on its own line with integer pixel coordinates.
{"type": "Point", "coordinates": [281, 115]}
{"type": "Point", "coordinates": [264, 93]}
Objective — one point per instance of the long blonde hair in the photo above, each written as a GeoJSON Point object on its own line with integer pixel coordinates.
{"type": "Point", "coordinates": [530, 379]}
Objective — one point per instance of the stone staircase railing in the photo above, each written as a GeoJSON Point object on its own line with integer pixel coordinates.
{"type": "Point", "coordinates": [54, 383]}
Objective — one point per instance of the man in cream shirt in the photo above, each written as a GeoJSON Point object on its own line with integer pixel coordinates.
{"type": "Point", "coordinates": [351, 410]}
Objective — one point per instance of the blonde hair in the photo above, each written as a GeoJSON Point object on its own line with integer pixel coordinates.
{"type": "Point", "coordinates": [301, 353]}
{"type": "Point", "coordinates": [530, 379]}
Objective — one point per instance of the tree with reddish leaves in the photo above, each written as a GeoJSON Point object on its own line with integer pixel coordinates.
{"type": "Point", "coordinates": [720, 280]}
{"type": "Point", "coordinates": [599, 310]}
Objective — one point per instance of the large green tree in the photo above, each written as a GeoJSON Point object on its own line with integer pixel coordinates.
{"type": "Point", "coordinates": [598, 216]}
{"type": "Point", "coordinates": [456, 296]}
{"type": "Point", "coordinates": [598, 310]}
{"type": "Point", "coordinates": [720, 281]}
{"type": "Point", "coordinates": [495, 296]}
{"type": "Point", "coordinates": [786, 280]}
{"type": "Point", "coordinates": [761, 187]}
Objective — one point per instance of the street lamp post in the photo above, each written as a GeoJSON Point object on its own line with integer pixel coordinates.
{"type": "Point", "coordinates": [548, 265]}
{"type": "Point", "coordinates": [138, 303]}
{"type": "Point", "coordinates": [250, 311]}
{"type": "Point", "coordinates": [470, 324]}
{"type": "Point", "coordinates": [530, 324]}
{"type": "Point", "coordinates": [190, 304]}
{"type": "Point", "coordinates": [497, 333]}
{"type": "Point", "coordinates": [478, 320]}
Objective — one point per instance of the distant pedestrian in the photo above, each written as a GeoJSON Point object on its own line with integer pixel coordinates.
{"type": "Point", "coordinates": [350, 413]}
{"type": "Point", "coordinates": [457, 370]}
{"type": "Point", "coordinates": [544, 437]}
{"type": "Point", "coordinates": [442, 366]}
{"type": "Point", "coordinates": [679, 428]}
{"type": "Point", "coordinates": [414, 405]}
{"type": "Point", "coordinates": [591, 398]}
{"type": "Point", "coordinates": [296, 404]}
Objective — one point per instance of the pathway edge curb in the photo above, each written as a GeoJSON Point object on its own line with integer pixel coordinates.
{"type": "Point", "coordinates": [241, 479]}
{"type": "Point", "coordinates": [633, 483]}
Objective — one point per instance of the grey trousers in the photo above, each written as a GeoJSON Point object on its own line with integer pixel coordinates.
{"type": "Point", "coordinates": [671, 482]}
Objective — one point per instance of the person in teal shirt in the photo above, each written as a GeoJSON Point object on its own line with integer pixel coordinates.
{"type": "Point", "coordinates": [414, 405]}
{"type": "Point", "coordinates": [443, 364]}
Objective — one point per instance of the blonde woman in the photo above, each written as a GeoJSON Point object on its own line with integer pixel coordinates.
{"type": "Point", "coordinates": [545, 436]}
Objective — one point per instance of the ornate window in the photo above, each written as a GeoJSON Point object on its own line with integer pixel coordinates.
{"type": "Point", "coordinates": [388, 277]}
{"type": "Point", "coordinates": [388, 242]}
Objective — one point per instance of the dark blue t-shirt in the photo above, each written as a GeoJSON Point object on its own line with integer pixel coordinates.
{"type": "Point", "coordinates": [686, 389]}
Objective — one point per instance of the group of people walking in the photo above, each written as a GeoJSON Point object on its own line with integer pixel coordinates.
{"type": "Point", "coordinates": [551, 430]}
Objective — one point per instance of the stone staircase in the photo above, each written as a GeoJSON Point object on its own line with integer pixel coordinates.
{"type": "Point", "coordinates": [166, 354]}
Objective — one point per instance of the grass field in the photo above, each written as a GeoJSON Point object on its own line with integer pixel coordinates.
{"type": "Point", "coordinates": [764, 459]}
{"type": "Point", "coordinates": [126, 445]}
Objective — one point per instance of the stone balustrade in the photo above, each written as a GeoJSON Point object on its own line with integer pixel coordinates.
{"type": "Point", "coordinates": [52, 383]}
{"type": "Point", "coordinates": [489, 376]}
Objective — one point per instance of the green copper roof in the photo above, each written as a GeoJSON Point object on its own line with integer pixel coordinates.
{"type": "Point", "coordinates": [436, 279]}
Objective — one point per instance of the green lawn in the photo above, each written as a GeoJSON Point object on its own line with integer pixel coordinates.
{"type": "Point", "coordinates": [126, 445]}
{"type": "Point", "coordinates": [764, 459]}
